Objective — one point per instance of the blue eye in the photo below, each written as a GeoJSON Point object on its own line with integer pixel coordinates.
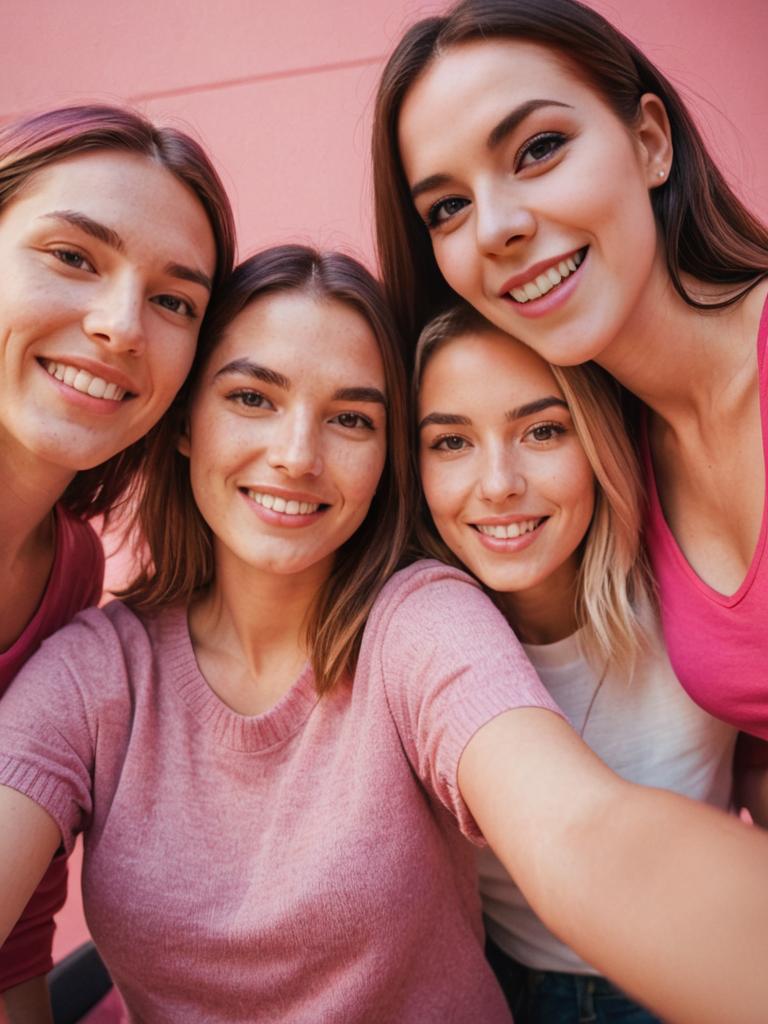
{"type": "Point", "coordinates": [539, 149]}
{"type": "Point", "coordinates": [444, 209]}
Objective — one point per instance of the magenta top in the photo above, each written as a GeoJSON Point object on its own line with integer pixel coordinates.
{"type": "Point", "coordinates": [306, 864]}
{"type": "Point", "coordinates": [75, 583]}
{"type": "Point", "coordinates": [718, 643]}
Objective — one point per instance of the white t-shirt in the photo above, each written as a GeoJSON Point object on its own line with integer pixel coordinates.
{"type": "Point", "coordinates": [649, 731]}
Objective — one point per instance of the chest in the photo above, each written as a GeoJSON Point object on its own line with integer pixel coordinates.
{"type": "Point", "coordinates": [711, 485]}
{"type": "Point", "coordinates": [304, 855]}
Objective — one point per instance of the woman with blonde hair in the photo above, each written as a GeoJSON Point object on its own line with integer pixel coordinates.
{"type": "Point", "coordinates": [530, 483]}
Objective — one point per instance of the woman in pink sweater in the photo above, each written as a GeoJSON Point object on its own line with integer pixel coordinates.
{"type": "Point", "coordinates": [112, 233]}
{"type": "Point", "coordinates": [276, 756]}
{"type": "Point", "coordinates": [530, 158]}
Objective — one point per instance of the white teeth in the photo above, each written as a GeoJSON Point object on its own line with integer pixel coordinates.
{"type": "Point", "coordinates": [545, 282]}
{"type": "Point", "coordinates": [509, 530]}
{"type": "Point", "coordinates": [289, 508]}
{"type": "Point", "coordinates": [83, 381]}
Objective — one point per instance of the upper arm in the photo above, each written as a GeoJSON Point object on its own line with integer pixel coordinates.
{"type": "Point", "coordinates": [29, 837]}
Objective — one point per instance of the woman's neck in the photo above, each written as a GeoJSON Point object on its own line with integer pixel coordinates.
{"type": "Point", "coordinates": [545, 613]}
{"type": "Point", "coordinates": [680, 361]}
{"type": "Point", "coordinates": [30, 490]}
{"type": "Point", "coordinates": [249, 631]}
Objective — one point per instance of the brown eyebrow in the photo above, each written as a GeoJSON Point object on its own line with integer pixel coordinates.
{"type": "Point", "coordinates": [445, 419]}
{"type": "Point", "coordinates": [359, 395]}
{"type": "Point", "coordinates": [189, 274]}
{"type": "Point", "coordinates": [531, 408]}
{"type": "Point", "coordinates": [262, 373]}
{"type": "Point", "coordinates": [90, 226]}
{"type": "Point", "coordinates": [111, 238]}
{"type": "Point", "coordinates": [495, 137]}
{"type": "Point", "coordinates": [515, 117]}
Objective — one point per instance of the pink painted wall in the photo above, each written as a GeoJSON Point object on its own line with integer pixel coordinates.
{"type": "Point", "coordinates": [281, 94]}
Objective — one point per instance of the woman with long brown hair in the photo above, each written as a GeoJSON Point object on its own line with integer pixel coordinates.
{"type": "Point", "coordinates": [530, 158]}
{"type": "Point", "coordinates": [276, 748]}
{"type": "Point", "coordinates": [112, 234]}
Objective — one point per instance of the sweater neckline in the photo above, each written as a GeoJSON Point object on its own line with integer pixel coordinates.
{"type": "Point", "coordinates": [250, 733]}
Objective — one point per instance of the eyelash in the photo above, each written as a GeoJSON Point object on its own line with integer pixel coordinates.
{"type": "Point", "coordinates": [556, 429]}
{"type": "Point", "coordinates": [434, 217]}
{"type": "Point", "coordinates": [439, 443]}
{"type": "Point", "coordinates": [361, 421]}
{"type": "Point", "coordinates": [243, 397]}
{"type": "Point", "coordinates": [64, 256]}
{"type": "Point", "coordinates": [75, 260]}
{"type": "Point", "coordinates": [557, 139]}
{"type": "Point", "coordinates": [190, 312]}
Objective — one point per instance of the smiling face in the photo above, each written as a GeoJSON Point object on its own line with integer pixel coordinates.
{"type": "Point", "coordinates": [506, 479]}
{"type": "Point", "coordinates": [106, 261]}
{"type": "Point", "coordinates": [287, 434]}
{"type": "Point", "coordinates": [536, 196]}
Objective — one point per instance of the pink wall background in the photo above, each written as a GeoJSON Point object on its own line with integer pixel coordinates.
{"type": "Point", "coordinates": [281, 94]}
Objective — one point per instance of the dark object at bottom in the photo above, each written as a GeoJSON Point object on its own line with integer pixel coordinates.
{"type": "Point", "coordinates": [77, 983]}
{"type": "Point", "coordinates": [555, 997]}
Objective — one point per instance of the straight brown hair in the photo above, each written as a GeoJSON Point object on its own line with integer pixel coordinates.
{"type": "Point", "coordinates": [176, 550]}
{"type": "Point", "coordinates": [32, 144]}
{"type": "Point", "coordinates": [706, 230]}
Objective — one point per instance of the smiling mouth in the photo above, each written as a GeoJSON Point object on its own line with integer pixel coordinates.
{"type": "Point", "coordinates": [288, 507]}
{"type": "Point", "coordinates": [548, 279]}
{"type": "Point", "coordinates": [86, 383]}
{"type": "Point", "coordinates": [508, 531]}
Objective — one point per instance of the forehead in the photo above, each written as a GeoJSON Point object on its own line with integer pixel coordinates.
{"type": "Point", "coordinates": [470, 87]}
{"type": "Point", "coordinates": [485, 368]}
{"type": "Point", "coordinates": [305, 335]}
{"type": "Point", "coordinates": [133, 194]}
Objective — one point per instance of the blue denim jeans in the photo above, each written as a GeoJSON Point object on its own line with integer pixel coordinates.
{"type": "Point", "coordinates": [554, 997]}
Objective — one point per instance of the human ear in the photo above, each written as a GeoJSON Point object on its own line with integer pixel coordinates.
{"type": "Point", "coordinates": [183, 443]}
{"type": "Point", "coordinates": [654, 139]}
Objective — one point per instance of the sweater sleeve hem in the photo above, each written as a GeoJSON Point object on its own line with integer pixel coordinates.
{"type": "Point", "coordinates": [50, 793]}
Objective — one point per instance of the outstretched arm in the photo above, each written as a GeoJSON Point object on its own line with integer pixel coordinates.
{"type": "Point", "coordinates": [28, 840]}
{"type": "Point", "coordinates": [666, 896]}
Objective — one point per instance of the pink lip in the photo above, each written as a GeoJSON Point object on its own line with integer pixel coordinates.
{"type": "Point", "coordinates": [283, 519]}
{"type": "Point", "coordinates": [108, 373]}
{"type": "Point", "coordinates": [97, 406]}
{"type": "Point", "coordinates": [503, 520]}
{"type": "Point", "coordinates": [534, 270]}
{"type": "Point", "coordinates": [509, 545]}
{"type": "Point", "coordinates": [553, 300]}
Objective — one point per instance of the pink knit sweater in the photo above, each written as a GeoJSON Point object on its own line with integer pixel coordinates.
{"type": "Point", "coordinates": [302, 865]}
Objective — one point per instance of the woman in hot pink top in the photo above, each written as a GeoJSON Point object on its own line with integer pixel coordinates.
{"type": "Point", "coordinates": [530, 158]}
{"type": "Point", "coordinates": [112, 233]}
{"type": "Point", "coordinates": [275, 756]}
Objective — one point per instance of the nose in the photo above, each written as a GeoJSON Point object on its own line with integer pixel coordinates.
{"type": "Point", "coordinates": [502, 219]}
{"type": "Point", "coordinates": [295, 448]}
{"type": "Point", "coordinates": [116, 316]}
{"type": "Point", "coordinates": [502, 475]}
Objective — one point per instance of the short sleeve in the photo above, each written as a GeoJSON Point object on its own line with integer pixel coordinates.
{"type": "Point", "coordinates": [449, 664]}
{"type": "Point", "coordinates": [48, 724]}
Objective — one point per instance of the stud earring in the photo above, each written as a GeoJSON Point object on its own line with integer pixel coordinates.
{"type": "Point", "coordinates": [660, 174]}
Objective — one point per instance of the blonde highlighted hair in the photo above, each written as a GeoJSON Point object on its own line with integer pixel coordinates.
{"type": "Point", "coordinates": [614, 582]}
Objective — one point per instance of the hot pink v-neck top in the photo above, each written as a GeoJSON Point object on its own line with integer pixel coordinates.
{"type": "Point", "coordinates": [718, 643]}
